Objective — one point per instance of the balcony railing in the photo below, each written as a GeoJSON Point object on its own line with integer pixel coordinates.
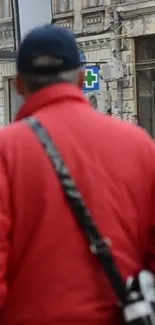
{"type": "Point", "coordinates": [6, 34]}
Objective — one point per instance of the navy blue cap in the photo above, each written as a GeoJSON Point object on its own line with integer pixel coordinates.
{"type": "Point", "coordinates": [45, 45]}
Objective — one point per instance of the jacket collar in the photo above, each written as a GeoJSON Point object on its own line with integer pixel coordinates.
{"type": "Point", "coordinates": [48, 96]}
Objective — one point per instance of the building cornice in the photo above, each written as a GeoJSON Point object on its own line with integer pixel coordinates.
{"type": "Point", "coordinates": [95, 37]}
{"type": "Point", "coordinates": [63, 15]}
{"type": "Point", "coordinates": [94, 42]}
{"type": "Point", "coordinates": [132, 10]}
{"type": "Point", "coordinates": [92, 10]}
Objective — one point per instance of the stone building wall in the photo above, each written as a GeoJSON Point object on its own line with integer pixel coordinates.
{"type": "Point", "coordinates": [94, 36]}
{"type": "Point", "coordinates": [7, 68]}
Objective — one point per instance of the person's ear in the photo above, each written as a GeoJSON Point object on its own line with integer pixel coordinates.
{"type": "Point", "coordinates": [19, 85]}
{"type": "Point", "coordinates": [81, 78]}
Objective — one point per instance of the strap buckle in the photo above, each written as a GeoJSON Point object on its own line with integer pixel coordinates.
{"type": "Point", "coordinates": [100, 246]}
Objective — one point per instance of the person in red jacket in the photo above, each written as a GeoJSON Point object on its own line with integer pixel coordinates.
{"type": "Point", "coordinates": [47, 273]}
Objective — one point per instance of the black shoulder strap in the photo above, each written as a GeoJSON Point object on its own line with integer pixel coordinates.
{"type": "Point", "coordinates": [98, 246]}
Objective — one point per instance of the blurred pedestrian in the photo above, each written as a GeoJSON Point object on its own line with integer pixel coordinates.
{"type": "Point", "coordinates": [48, 274]}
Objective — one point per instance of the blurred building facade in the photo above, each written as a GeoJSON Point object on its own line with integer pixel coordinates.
{"type": "Point", "coordinates": [124, 29]}
{"type": "Point", "coordinates": [106, 30]}
{"type": "Point", "coordinates": [138, 23]}
{"type": "Point", "coordinates": [6, 67]}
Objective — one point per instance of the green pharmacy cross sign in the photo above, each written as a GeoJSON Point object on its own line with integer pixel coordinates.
{"type": "Point", "coordinates": [91, 78]}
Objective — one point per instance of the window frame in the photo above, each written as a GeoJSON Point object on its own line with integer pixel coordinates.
{"type": "Point", "coordinates": [91, 3]}
{"type": "Point", "coordinates": [62, 6]}
{"type": "Point", "coordinates": [5, 9]}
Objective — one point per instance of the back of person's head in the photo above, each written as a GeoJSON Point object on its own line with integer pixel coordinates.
{"type": "Point", "coordinates": [48, 55]}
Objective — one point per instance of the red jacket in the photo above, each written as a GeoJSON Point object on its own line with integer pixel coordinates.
{"type": "Point", "coordinates": [47, 273]}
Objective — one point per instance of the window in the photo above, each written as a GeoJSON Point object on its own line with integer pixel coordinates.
{"type": "Point", "coordinates": [144, 48]}
{"type": "Point", "coordinates": [145, 75]}
{"type": "Point", "coordinates": [5, 9]}
{"type": "Point", "coordinates": [62, 6]}
{"type": "Point", "coordinates": [92, 3]}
